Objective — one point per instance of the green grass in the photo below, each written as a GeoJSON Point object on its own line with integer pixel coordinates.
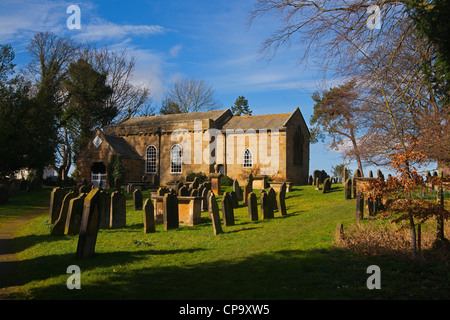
{"type": "Point", "coordinates": [290, 257]}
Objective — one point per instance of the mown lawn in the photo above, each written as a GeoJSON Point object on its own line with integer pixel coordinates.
{"type": "Point", "coordinates": [291, 257]}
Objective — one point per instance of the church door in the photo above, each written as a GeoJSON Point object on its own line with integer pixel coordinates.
{"type": "Point", "coordinates": [98, 174]}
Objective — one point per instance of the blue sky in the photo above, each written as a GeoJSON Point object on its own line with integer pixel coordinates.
{"type": "Point", "coordinates": [208, 40]}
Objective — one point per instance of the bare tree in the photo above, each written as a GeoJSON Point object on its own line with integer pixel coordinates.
{"type": "Point", "coordinates": [128, 97]}
{"type": "Point", "coordinates": [189, 95]}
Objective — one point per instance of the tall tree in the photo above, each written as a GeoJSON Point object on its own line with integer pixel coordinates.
{"type": "Point", "coordinates": [87, 108]}
{"type": "Point", "coordinates": [241, 107]}
{"type": "Point", "coordinates": [189, 95]}
{"type": "Point", "coordinates": [337, 113]}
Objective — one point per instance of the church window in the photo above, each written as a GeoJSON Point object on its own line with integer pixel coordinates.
{"type": "Point", "coordinates": [150, 160]}
{"type": "Point", "coordinates": [248, 158]}
{"type": "Point", "coordinates": [175, 159]}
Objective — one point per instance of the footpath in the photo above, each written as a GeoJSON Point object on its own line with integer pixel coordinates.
{"type": "Point", "coordinates": [9, 260]}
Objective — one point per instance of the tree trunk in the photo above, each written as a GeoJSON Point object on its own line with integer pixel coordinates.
{"type": "Point", "coordinates": [413, 236]}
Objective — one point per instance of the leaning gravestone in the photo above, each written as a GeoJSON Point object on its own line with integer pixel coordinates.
{"type": "Point", "coordinates": [149, 216]}
{"type": "Point", "coordinates": [252, 207]}
{"type": "Point", "coordinates": [74, 214]}
{"type": "Point", "coordinates": [170, 207]}
{"type": "Point", "coordinates": [57, 228]}
{"type": "Point", "coordinates": [247, 189]}
{"type": "Point", "coordinates": [281, 196]}
{"type": "Point", "coordinates": [90, 223]}
{"type": "Point", "coordinates": [56, 198]}
{"type": "Point", "coordinates": [118, 210]}
{"type": "Point", "coordinates": [326, 185]}
{"type": "Point", "coordinates": [205, 195]}
{"type": "Point", "coordinates": [214, 213]}
{"type": "Point", "coordinates": [266, 206]}
{"type": "Point", "coordinates": [137, 199]}
{"type": "Point", "coordinates": [227, 210]}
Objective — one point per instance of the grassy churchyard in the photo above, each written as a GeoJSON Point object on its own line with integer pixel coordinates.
{"type": "Point", "coordinates": [288, 257]}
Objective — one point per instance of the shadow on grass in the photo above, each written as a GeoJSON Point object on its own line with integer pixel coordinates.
{"type": "Point", "coordinates": [280, 275]}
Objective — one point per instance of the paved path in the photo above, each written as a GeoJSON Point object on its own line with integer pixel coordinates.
{"type": "Point", "coordinates": [9, 260]}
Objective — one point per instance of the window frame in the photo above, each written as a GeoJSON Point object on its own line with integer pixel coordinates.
{"type": "Point", "coordinates": [247, 158]}
{"type": "Point", "coordinates": [172, 163]}
{"type": "Point", "coordinates": [148, 159]}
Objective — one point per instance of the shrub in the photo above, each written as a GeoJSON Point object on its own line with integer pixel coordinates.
{"type": "Point", "coordinates": [226, 181]}
{"type": "Point", "coordinates": [200, 175]}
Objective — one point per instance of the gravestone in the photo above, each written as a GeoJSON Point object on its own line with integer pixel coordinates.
{"type": "Point", "coordinates": [196, 183]}
{"type": "Point", "coordinates": [310, 180]}
{"type": "Point", "coordinates": [74, 214]}
{"type": "Point", "coordinates": [170, 208]}
{"type": "Point", "coordinates": [183, 192]}
{"type": "Point", "coordinates": [237, 189]}
{"type": "Point", "coordinates": [266, 206]}
{"type": "Point", "coordinates": [348, 189]}
{"type": "Point", "coordinates": [83, 189]}
{"type": "Point", "coordinates": [57, 228]}
{"type": "Point", "coordinates": [317, 184]}
{"type": "Point", "coordinates": [359, 206]}
{"type": "Point", "coordinates": [234, 199]}
{"type": "Point", "coordinates": [247, 189]}
{"type": "Point", "coordinates": [227, 210]}
{"type": "Point", "coordinates": [281, 196]}
{"type": "Point", "coordinates": [105, 208]}
{"type": "Point", "coordinates": [149, 216]}
{"type": "Point", "coordinates": [194, 193]}
{"type": "Point", "coordinates": [273, 196]}
{"type": "Point", "coordinates": [162, 191]}
{"type": "Point", "coordinates": [213, 209]}
{"type": "Point", "coordinates": [56, 198]}
{"type": "Point", "coordinates": [205, 194]}
{"type": "Point", "coordinates": [90, 223]}
{"type": "Point", "coordinates": [215, 183]}
{"type": "Point", "coordinates": [252, 207]}
{"type": "Point", "coordinates": [326, 185]}
{"type": "Point", "coordinates": [137, 199]}
{"type": "Point", "coordinates": [118, 210]}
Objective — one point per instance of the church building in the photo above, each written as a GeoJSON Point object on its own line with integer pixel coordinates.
{"type": "Point", "coordinates": [164, 149]}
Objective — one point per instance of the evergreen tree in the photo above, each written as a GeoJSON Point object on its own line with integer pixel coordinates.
{"type": "Point", "coordinates": [241, 107]}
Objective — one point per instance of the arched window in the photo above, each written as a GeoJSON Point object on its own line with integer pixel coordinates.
{"type": "Point", "coordinates": [248, 158]}
{"type": "Point", "coordinates": [150, 159]}
{"type": "Point", "coordinates": [175, 159]}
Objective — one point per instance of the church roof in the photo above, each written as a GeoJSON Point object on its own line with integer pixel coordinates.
{"type": "Point", "coordinates": [268, 121]}
{"type": "Point", "coordinates": [179, 117]}
{"type": "Point", "coordinates": [121, 147]}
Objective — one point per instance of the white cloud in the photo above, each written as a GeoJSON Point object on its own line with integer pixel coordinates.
{"type": "Point", "coordinates": [175, 51]}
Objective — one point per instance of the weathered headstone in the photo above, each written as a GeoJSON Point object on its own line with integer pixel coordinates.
{"type": "Point", "coordinates": [162, 191]}
{"type": "Point", "coordinates": [118, 210]}
{"type": "Point", "coordinates": [359, 206]}
{"type": "Point", "coordinates": [57, 228]}
{"type": "Point", "coordinates": [183, 192]}
{"type": "Point", "coordinates": [234, 199]}
{"type": "Point", "coordinates": [194, 193]}
{"type": "Point", "coordinates": [310, 180]}
{"type": "Point", "coordinates": [90, 223]}
{"type": "Point", "coordinates": [227, 210]}
{"type": "Point", "coordinates": [196, 183]}
{"type": "Point", "coordinates": [205, 199]}
{"type": "Point", "coordinates": [326, 185]}
{"type": "Point", "coordinates": [56, 198]}
{"type": "Point", "coordinates": [281, 200]}
{"type": "Point", "coordinates": [149, 216]}
{"type": "Point", "coordinates": [83, 189]}
{"type": "Point", "coordinates": [247, 189]}
{"type": "Point", "coordinates": [348, 189]}
{"type": "Point", "coordinates": [237, 189]}
{"type": "Point", "coordinates": [266, 206]}
{"type": "Point", "coordinates": [252, 207]}
{"type": "Point", "coordinates": [317, 184]}
{"type": "Point", "coordinates": [170, 207]}
{"type": "Point", "coordinates": [74, 214]}
{"type": "Point", "coordinates": [213, 209]}
{"type": "Point", "coordinates": [137, 199]}
{"type": "Point", "coordinates": [104, 200]}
